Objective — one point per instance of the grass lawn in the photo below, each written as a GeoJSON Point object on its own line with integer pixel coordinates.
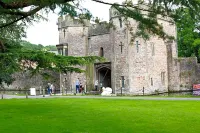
{"type": "Point", "coordinates": [98, 116]}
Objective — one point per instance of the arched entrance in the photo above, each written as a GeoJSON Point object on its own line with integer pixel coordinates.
{"type": "Point", "coordinates": [103, 74]}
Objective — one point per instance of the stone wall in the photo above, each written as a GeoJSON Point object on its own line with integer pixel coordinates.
{"type": "Point", "coordinates": [148, 66]}
{"type": "Point", "coordinates": [144, 66]}
{"type": "Point", "coordinates": [197, 73]}
{"type": "Point", "coordinates": [185, 73]}
{"type": "Point", "coordinates": [120, 63]}
{"type": "Point", "coordinates": [98, 29]}
{"type": "Point", "coordinates": [26, 81]}
{"type": "Point", "coordinates": [96, 43]}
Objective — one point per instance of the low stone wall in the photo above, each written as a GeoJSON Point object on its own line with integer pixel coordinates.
{"type": "Point", "coordinates": [26, 81]}
{"type": "Point", "coordinates": [186, 72]}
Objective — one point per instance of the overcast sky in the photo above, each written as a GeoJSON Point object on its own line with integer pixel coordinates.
{"type": "Point", "coordinates": [46, 33]}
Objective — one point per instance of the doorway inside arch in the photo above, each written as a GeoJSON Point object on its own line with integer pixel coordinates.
{"type": "Point", "coordinates": [103, 74]}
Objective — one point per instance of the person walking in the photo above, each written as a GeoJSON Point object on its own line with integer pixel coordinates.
{"type": "Point", "coordinates": [52, 89]}
{"type": "Point", "coordinates": [77, 85]}
{"type": "Point", "coordinates": [49, 88]}
{"type": "Point", "coordinates": [96, 85]}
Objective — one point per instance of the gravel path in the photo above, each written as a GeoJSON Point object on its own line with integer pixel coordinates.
{"type": "Point", "coordinates": [103, 97]}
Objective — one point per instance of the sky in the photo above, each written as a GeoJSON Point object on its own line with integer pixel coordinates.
{"type": "Point", "coordinates": [46, 32]}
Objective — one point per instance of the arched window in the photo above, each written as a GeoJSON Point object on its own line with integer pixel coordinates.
{"type": "Point", "coordinates": [101, 53]}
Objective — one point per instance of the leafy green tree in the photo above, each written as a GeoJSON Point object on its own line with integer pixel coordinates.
{"type": "Point", "coordinates": [40, 46]}
{"type": "Point", "coordinates": [29, 46]}
{"type": "Point", "coordinates": [51, 48]}
{"type": "Point", "coordinates": [196, 48]}
{"type": "Point", "coordinates": [188, 34]}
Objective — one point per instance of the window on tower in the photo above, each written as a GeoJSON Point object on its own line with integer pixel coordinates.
{"type": "Point", "coordinates": [66, 49]}
{"type": "Point", "coordinates": [163, 78]}
{"type": "Point", "coordinates": [60, 51]}
{"type": "Point", "coordinates": [120, 22]}
{"type": "Point", "coordinates": [151, 81]}
{"type": "Point", "coordinates": [152, 49]}
{"type": "Point", "coordinates": [101, 53]}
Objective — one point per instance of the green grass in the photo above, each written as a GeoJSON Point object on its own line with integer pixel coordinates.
{"type": "Point", "coordinates": [98, 116]}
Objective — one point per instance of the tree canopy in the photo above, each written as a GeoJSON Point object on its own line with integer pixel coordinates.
{"type": "Point", "coordinates": [188, 35]}
{"type": "Point", "coordinates": [29, 46]}
{"type": "Point", "coordinates": [15, 13]}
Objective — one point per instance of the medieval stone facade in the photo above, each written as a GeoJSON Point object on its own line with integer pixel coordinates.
{"type": "Point", "coordinates": [147, 67]}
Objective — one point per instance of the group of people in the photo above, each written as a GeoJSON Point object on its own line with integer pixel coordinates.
{"type": "Point", "coordinates": [79, 86]}
{"type": "Point", "coordinates": [50, 89]}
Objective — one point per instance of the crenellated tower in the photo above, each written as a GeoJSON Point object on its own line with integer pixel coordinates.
{"type": "Point", "coordinates": [73, 41]}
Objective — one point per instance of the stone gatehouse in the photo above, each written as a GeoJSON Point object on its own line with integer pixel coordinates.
{"type": "Point", "coordinates": [150, 66]}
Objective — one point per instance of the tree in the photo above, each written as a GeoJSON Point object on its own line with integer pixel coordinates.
{"type": "Point", "coordinates": [188, 35]}
{"type": "Point", "coordinates": [51, 48]}
{"type": "Point", "coordinates": [30, 46]}
{"type": "Point", "coordinates": [196, 48]}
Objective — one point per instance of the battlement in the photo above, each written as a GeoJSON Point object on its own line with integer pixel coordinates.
{"type": "Point", "coordinates": [98, 29]}
{"type": "Point", "coordinates": [68, 21]}
{"type": "Point", "coordinates": [114, 13]}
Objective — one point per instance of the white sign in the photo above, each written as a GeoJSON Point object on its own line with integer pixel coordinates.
{"type": "Point", "coordinates": [32, 92]}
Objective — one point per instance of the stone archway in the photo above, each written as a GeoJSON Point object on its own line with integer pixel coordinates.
{"type": "Point", "coordinates": [103, 74]}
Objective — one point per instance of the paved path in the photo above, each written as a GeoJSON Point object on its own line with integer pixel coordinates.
{"type": "Point", "coordinates": [103, 97]}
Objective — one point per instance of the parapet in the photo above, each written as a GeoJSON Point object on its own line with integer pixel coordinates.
{"type": "Point", "coordinates": [68, 21]}
{"type": "Point", "coordinates": [113, 13]}
{"type": "Point", "coordinates": [99, 29]}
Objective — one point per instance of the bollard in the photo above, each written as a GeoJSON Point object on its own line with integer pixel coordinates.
{"type": "Point", "coordinates": [62, 90]}
{"type": "Point", "coordinates": [40, 90]}
{"type": "Point", "coordinates": [143, 91]}
{"type": "Point", "coordinates": [43, 92]}
{"type": "Point", "coordinates": [1, 95]}
{"type": "Point", "coordinates": [26, 94]}
{"type": "Point", "coordinates": [85, 89]}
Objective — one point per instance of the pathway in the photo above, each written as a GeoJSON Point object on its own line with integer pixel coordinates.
{"type": "Point", "coordinates": [104, 97]}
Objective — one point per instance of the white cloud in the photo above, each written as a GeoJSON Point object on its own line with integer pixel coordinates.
{"type": "Point", "coordinates": [46, 33]}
